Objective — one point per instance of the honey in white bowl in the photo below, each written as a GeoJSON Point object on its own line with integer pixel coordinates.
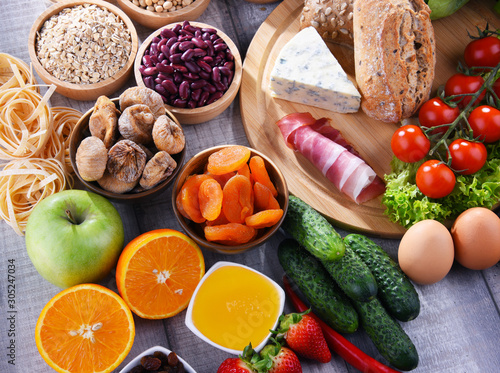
{"type": "Point", "coordinates": [233, 306]}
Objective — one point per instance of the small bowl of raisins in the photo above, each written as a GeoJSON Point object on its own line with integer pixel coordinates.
{"type": "Point", "coordinates": [195, 67]}
{"type": "Point", "coordinates": [157, 359]}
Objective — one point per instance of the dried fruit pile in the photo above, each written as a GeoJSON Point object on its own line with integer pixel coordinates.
{"type": "Point", "coordinates": [130, 149]}
{"type": "Point", "coordinates": [233, 199]}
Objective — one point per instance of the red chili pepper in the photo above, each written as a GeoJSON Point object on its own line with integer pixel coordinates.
{"type": "Point", "coordinates": [349, 352]}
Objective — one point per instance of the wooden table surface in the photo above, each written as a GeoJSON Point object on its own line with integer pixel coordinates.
{"type": "Point", "coordinates": [457, 331]}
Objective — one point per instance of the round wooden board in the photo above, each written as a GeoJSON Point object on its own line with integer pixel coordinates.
{"type": "Point", "coordinates": [370, 137]}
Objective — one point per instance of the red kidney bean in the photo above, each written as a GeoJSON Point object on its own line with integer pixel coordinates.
{"type": "Point", "coordinates": [184, 90]}
{"type": "Point", "coordinates": [156, 39]}
{"type": "Point", "coordinates": [161, 57]}
{"type": "Point", "coordinates": [175, 58]}
{"type": "Point", "coordinates": [146, 61]}
{"type": "Point", "coordinates": [171, 42]}
{"type": "Point", "coordinates": [173, 48]}
{"type": "Point", "coordinates": [229, 65]}
{"type": "Point", "coordinates": [204, 75]}
{"type": "Point", "coordinates": [195, 93]}
{"type": "Point", "coordinates": [203, 98]}
{"type": "Point", "coordinates": [180, 68]}
{"type": "Point", "coordinates": [149, 82]}
{"type": "Point", "coordinates": [220, 47]}
{"type": "Point", "coordinates": [198, 84]}
{"type": "Point", "coordinates": [192, 104]}
{"type": "Point", "coordinates": [210, 48]}
{"type": "Point", "coordinates": [167, 33]}
{"type": "Point", "coordinates": [165, 68]}
{"type": "Point", "coordinates": [214, 97]}
{"type": "Point", "coordinates": [209, 30]}
{"type": "Point", "coordinates": [153, 48]}
{"type": "Point", "coordinates": [177, 28]}
{"type": "Point", "coordinates": [188, 55]}
{"type": "Point", "coordinates": [154, 59]}
{"type": "Point", "coordinates": [205, 36]}
{"type": "Point", "coordinates": [198, 41]}
{"type": "Point", "coordinates": [179, 103]}
{"type": "Point", "coordinates": [192, 66]}
{"type": "Point", "coordinates": [208, 59]}
{"type": "Point", "coordinates": [185, 45]}
{"type": "Point", "coordinates": [170, 86]}
{"type": "Point", "coordinates": [220, 86]}
{"type": "Point", "coordinates": [191, 77]}
{"type": "Point", "coordinates": [216, 75]}
{"type": "Point", "coordinates": [178, 78]}
{"type": "Point", "coordinates": [148, 70]}
{"type": "Point", "coordinates": [160, 89]}
{"type": "Point", "coordinates": [198, 52]}
{"type": "Point", "coordinates": [163, 76]}
{"type": "Point", "coordinates": [205, 66]}
{"type": "Point", "coordinates": [210, 88]}
{"type": "Point", "coordinates": [224, 70]}
{"type": "Point", "coordinates": [165, 50]}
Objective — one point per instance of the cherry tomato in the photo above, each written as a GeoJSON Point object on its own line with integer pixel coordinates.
{"type": "Point", "coordinates": [435, 179]}
{"type": "Point", "coordinates": [459, 84]}
{"type": "Point", "coordinates": [467, 157]}
{"type": "Point", "coordinates": [410, 144]}
{"type": "Point", "coordinates": [484, 52]}
{"type": "Point", "coordinates": [435, 112]}
{"type": "Point", "coordinates": [485, 123]}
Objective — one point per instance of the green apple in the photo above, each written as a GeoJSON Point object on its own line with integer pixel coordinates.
{"type": "Point", "coordinates": [74, 237]}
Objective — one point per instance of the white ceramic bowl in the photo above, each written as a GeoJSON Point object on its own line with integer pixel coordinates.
{"type": "Point", "coordinates": [189, 315]}
{"type": "Point", "coordinates": [137, 360]}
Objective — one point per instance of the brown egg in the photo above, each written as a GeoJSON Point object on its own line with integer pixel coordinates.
{"type": "Point", "coordinates": [476, 235]}
{"type": "Point", "coordinates": [425, 252]}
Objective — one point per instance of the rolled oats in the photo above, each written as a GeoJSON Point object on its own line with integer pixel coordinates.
{"type": "Point", "coordinates": [83, 44]}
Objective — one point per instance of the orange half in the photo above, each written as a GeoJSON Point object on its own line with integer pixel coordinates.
{"type": "Point", "coordinates": [158, 272]}
{"type": "Point", "coordinates": [86, 328]}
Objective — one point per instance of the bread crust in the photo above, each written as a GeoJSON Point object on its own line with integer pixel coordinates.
{"type": "Point", "coordinates": [395, 56]}
{"type": "Point", "coordinates": [331, 18]}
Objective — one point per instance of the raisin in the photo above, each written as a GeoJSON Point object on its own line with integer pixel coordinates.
{"type": "Point", "coordinates": [150, 362]}
{"type": "Point", "coordinates": [138, 369]}
{"type": "Point", "coordinates": [173, 360]}
{"type": "Point", "coordinates": [162, 356]}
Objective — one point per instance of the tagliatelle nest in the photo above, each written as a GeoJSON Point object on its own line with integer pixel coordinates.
{"type": "Point", "coordinates": [34, 142]}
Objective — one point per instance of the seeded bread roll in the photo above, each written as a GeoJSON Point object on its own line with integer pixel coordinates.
{"type": "Point", "coordinates": [394, 53]}
{"type": "Point", "coordinates": [331, 18]}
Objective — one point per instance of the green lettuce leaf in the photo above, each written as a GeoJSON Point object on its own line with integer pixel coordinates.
{"type": "Point", "coordinates": [406, 205]}
{"type": "Point", "coordinates": [444, 8]}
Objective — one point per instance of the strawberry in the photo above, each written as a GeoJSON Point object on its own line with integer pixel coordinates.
{"type": "Point", "coordinates": [242, 364]}
{"type": "Point", "coordinates": [278, 359]}
{"type": "Point", "coordinates": [303, 335]}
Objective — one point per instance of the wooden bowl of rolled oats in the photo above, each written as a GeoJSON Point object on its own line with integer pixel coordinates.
{"type": "Point", "coordinates": [86, 48]}
{"type": "Point", "coordinates": [157, 13]}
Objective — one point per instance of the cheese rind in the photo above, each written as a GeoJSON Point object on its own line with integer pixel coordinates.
{"type": "Point", "coordinates": [307, 72]}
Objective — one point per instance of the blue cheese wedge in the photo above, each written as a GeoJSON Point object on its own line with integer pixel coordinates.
{"type": "Point", "coordinates": [306, 72]}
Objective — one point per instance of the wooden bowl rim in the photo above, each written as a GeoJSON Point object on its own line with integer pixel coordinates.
{"type": "Point", "coordinates": [191, 8]}
{"type": "Point", "coordinates": [204, 113]}
{"type": "Point", "coordinates": [187, 226]}
{"type": "Point", "coordinates": [57, 8]}
{"type": "Point", "coordinates": [120, 197]}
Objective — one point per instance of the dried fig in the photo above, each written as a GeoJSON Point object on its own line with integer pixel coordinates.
{"type": "Point", "coordinates": [126, 161]}
{"type": "Point", "coordinates": [91, 158]}
{"type": "Point", "coordinates": [112, 184]}
{"type": "Point", "coordinates": [145, 96]}
{"type": "Point", "coordinates": [157, 169]}
{"type": "Point", "coordinates": [103, 123]}
{"type": "Point", "coordinates": [136, 123]}
{"type": "Point", "coordinates": [168, 135]}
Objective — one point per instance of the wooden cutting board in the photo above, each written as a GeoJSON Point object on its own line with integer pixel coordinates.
{"type": "Point", "coordinates": [370, 137]}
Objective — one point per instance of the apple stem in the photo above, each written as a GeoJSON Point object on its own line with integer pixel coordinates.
{"type": "Point", "coordinates": [70, 216]}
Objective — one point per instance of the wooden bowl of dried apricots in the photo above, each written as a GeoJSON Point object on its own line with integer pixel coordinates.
{"type": "Point", "coordinates": [230, 198]}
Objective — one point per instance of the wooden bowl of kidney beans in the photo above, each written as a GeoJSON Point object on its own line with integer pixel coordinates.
{"type": "Point", "coordinates": [194, 66]}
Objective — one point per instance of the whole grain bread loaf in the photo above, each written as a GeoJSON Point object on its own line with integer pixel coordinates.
{"type": "Point", "coordinates": [331, 18]}
{"type": "Point", "coordinates": [395, 57]}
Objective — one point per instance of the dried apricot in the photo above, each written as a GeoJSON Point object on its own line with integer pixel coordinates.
{"type": "Point", "coordinates": [237, 202]}
{"type": "Point", "coordinates": [189, 197]}
{"type": "Point", "coordinates": [264, 199]}
{"type": "Point", "coordinates": [230, 234]}
{"type": "Point", "coordinates": [210, 199]}
{"type": "Point", "coordinates": [221, 219]}
{"type": "Point", "coordinates": [222, 179]}
{"type": "Point", "coordinates": [228, 159]}
{"type": "Point", "coordinates": [264, 219]}
{"type": "Point", "coordinates": [245, 171]}
{"type": "Point", "coordinates": [259, 173]}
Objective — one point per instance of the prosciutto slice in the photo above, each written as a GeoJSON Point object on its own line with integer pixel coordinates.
{"type": "Point", "coordinates": [325, 147]}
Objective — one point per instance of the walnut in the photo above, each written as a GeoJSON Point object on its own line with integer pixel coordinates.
{"type": "Point", "coordinates": [136, 123]}
{"type": "Point", "coordinates": [91, 158]}
{"type": "Point", "coordinates": [112, 184]}
{"type": "Point", "coordinates": [103, 123]}
{"type": "Point", "coordinates": [145, 96]}
{"type": "Point", "coordinates": [157, 169]}
{"type": "Point", "coordinates": [168, 135]}
{"type": "Point", "coordinates": [126, 161]}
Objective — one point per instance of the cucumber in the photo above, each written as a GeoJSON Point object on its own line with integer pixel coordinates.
{"type": "Point", "coordinates": [353, 276]}
{"type": "Point", "coordinates": [325, 298]}
{"type": "Point", "coordinates": [395, 291]}
{"type": "Point", "coordinates": [387, 335]}
{"type": "Point", "coordinates": [312, 231]}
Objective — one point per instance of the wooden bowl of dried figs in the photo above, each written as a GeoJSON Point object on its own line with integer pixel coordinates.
{"type": "Point", "coordinates": [161, 13]}
{"type": "Point", "coordinates": [85, 48]}
{"type": "Point", "coordinates": [194, 66]}
{"type": "Point", "coordinates": [128, 148]}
